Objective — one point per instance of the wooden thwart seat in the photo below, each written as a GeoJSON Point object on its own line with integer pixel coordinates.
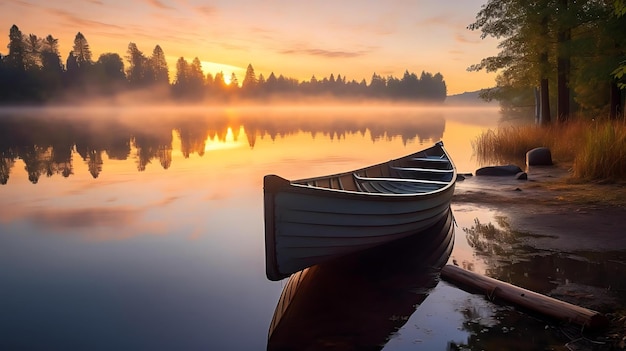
{"type": "Point", "coordinates": [418, 169]}
{"type": "Point", "coordinates": [400, 180]}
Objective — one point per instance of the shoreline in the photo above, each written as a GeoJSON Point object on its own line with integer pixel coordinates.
{"type": "Point", "coordinates": [554, 213]}
{"type": "Point", "coordinates": [549, 204]}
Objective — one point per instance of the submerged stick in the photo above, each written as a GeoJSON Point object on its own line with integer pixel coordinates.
{"type": "Point", "coordinates": [542, 304]}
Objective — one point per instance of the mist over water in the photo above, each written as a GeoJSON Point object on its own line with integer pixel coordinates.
{"type": "Point", "coordinates": [46, 138]}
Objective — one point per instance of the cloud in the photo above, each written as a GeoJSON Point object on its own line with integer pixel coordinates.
{"type": "Point", "coordinates": [228, 45]}
{"type": "Point", "coordinates": [460, 38]}
{"type": "Point", "coordinates": [324, 53]}
{"type": "Point", "coordinates": [166, 201]}
{"type": "Point", "coordinates": [208, 11]}
{"type": "Point", "coordinates": [158, 4]}
{"type": "Point", "coordinates": [73, 20]}
{"type": "Point", "coordinates": [440, 20]}
{"type": "Point", "coordinates": [22, 3]}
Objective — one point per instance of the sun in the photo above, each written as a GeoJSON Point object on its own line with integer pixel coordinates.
{"type": "Point", "coordinates": [227, 70]}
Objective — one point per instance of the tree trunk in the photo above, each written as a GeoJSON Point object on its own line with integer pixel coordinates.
{"type": "Point", "coordinates": [563, 93]}
{"type": "Point", "coordinates": [544, 100]}
{"type": "Point", "coordinates": [615, 104]}
{"type": "Point", "coordinates": [563, 67]}
{"type": "Point", "coordinates": [544, 65]}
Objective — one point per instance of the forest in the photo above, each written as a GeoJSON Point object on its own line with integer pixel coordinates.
{"type": "Point", "coordinates": [33, 72]}
{"type": "Point", "coordinates": [567, 57]}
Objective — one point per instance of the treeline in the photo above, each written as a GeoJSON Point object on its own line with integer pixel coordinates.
{"type": "Point", "coordinates": [566, 55]}
{"type": "Point", "coordinates": [33, 71]}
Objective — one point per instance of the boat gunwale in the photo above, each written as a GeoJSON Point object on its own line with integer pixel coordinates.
{"type": "Point", "coordinates": [295, 186]}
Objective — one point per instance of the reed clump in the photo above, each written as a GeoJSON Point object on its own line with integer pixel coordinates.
{"type": "Point", "coordinates": [603, 154]}
{"type": "Point", "coordinates": [595, 149]}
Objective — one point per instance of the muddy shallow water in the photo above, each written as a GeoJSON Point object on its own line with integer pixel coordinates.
{"type": "Point", "coordinates": [526, 234]}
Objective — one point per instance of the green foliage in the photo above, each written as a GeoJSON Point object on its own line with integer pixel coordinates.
{"type": "Point", "coordinates": [620, 74]}
{"type": "Point", "coordinates": [536, 36]}
{"type": "Point", "coordinates": [620, 8]}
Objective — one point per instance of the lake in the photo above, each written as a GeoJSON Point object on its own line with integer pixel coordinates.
{"type": "Point", "coordinates": [142, 228]}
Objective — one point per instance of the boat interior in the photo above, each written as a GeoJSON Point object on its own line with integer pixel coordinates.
{"type": "Point", "coordinates": [410, 175]}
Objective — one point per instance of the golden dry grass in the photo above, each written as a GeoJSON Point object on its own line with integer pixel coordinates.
{"type": "Point", "coordinates": [595, 149]}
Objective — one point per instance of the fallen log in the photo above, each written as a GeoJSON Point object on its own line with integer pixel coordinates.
{"type": "Point", "coordinates": [526, 299]}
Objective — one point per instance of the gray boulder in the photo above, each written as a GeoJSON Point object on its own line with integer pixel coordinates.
{"type": "Point", "coordinates": [499, 171]}
{"type": "Point", "coordinates": [540, 156]}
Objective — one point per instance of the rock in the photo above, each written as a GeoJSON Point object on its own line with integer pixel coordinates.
{"type": "Point", "coordinates": [508, 170]}
{"type": "Point", "coordinates": [540, 156]}
{"type": "Point", "coordinates": [460, 177]}
{"type": "Point", "coordinates": [521, 176]}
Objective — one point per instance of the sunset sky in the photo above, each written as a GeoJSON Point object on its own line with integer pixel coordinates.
{"type": "Point", "coordinates": [354, 38]}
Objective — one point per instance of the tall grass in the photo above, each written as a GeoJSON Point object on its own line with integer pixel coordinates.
{"type": "Point", "coordinates": [596, 150]}
{"type": "Point", "coordinates": [603, 154]}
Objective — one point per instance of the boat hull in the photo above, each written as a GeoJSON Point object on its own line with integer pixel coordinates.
{"type": "Point", "coordinates": [360, 300]}
{"type": "Point", "coordinates": [307, 225]}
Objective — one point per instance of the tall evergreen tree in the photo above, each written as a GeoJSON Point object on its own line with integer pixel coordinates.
{"type": "Point", "coordinates": [33, 51]}
{"type": "Point", "coordinates": [249, 81]}
{"type": "Point", "coordinates": [219, 83]}
{"type": "Point", "coordinates": [195, 78]}
{"type": "Point", "coordinates": [137, 72]}
{"type": "Point", "coordinates": [159, 66]}
{"type": "Point", "coordinates": [51, 66]}
{"type": "Point", "coordinates": [81, 51]}
{"type": "Point", "coordinates": [234, 82]}
{"type": "Point", "coordinates": [50, 44]}
{"type": "Point", "coordinates": [16, 59]}
{"type": "Point", "coordinates": [181, 82]}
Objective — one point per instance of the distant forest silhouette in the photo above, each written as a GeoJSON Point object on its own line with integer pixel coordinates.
{"type": "Point", "coordinates": [47, 144]}
{"type": "Point", "coordinates": [34, 72]}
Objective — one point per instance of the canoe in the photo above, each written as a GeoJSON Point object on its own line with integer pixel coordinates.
{"type": "Point", "coordinates": [358, 302]}
{"type": "Point", "coordinates": [313, 220]}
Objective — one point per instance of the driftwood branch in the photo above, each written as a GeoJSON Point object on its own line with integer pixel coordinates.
{"type": "Point", "coordinates": [526, 299]}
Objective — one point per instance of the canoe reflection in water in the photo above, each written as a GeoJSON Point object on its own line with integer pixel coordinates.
{"type": "Point", "coordinates": [357, 302]}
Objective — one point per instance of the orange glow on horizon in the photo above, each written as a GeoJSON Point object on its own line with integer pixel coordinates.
{"type": "Point", "coordinates": [383, 38]}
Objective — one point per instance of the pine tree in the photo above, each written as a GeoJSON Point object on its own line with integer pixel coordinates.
{"type": "Point", "coordinates": [249, 81]}
{"type": "Point", "coordinates": [159, 66]}
{"type": "Point", "coordinates": [137, 72]}
{"type": "Point", "coordinates": [16, 59]}
{"type": "Point", "coordinates": [33, 51]}
{"type": "Point", "coordinates": [81, 51]}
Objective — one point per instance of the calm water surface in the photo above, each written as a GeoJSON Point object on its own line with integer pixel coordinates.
{"type": "Point", "coordinates": [143, 228]}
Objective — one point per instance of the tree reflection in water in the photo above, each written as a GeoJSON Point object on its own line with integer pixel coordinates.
{"type": "Point", "coordinates": [589, 279]}
{"type": "Point", "coordinates": [47, 142]}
